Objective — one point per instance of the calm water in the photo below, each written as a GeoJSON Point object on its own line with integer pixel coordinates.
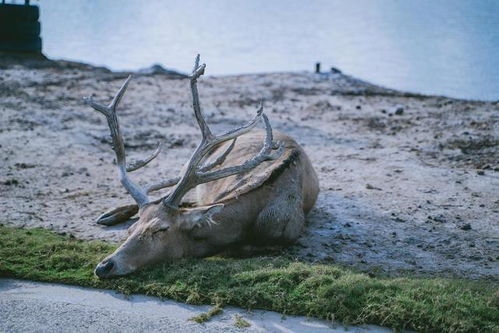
{"type": "Point", "coordinates": [436, 47]}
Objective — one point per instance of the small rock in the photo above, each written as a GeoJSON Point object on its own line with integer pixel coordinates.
{"type": "Point", "coordinates": [82, 170]}
{"type": "Point", "coordinates": [11, 182]}
{"type": "Point", "coordinates": [370, 187]}
{"type": "Point", "coordinates": [480, 172]}
{"type": "Point", "coordinates": [24, 165]}
{"type": "Point", "coordinates": [466, 226]}
{"type": "Point", "coordinates": [158, 69]}
{"type": "Point", "coordinates": [399, 111]}
{"type": "Point", "coordinates": [439, 218]}
{"type": "Point", "coordinates": [335, 70]}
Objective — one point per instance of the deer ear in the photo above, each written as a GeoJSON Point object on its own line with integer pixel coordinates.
{"type": "Point", "coordinates": [197, 217]}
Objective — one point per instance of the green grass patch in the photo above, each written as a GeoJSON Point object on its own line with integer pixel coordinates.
{"type": "Point", "coordinates": [272, 283]}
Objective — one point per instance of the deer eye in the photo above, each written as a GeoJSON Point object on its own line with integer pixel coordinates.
{"type": "Point", "coordinates": [161, 229]}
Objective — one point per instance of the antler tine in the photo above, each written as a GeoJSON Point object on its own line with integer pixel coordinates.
{"type": "Point", "coordinates": [196, 73]}
{"type": "Point", "coordinates": [219, 160]}
{"type": "Point", "coordinates": [138, 194]}
{"type": "Point", "coordinates": [162, 184]}
{"type": "Point", "coordinates": [234, 133]}
{"type": "Point", "coordinates": [97, 107]}
{"type": "Point", "coordinates": [196, 62]}
{"type": "Point", "coordinates": [119, 95]}
{"type": "Point", "coordinates": [135, 165]}
{"type": "Point", "coordinates": [264, 154]}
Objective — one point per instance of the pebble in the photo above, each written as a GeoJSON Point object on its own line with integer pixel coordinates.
{"type": "Point", "coordinates": [466, 226]}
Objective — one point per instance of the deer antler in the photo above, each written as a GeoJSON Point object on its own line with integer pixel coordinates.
{"type": "Point", "coordinates": [194, 173]}
{"type": "Point", "coordinates": [138, 193]}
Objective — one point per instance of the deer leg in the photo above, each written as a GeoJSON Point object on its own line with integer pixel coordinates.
{"type": "Point", "coordinates": [282, 220]}
{"type": "Point", "coordinates": [118, 215]}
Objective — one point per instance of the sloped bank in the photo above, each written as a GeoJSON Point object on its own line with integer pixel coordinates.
{"type": "Point", "coordinates": [408, 182]}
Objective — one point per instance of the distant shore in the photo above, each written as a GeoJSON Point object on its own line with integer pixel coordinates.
{"type": "Point", "coordinates": [357, 86]}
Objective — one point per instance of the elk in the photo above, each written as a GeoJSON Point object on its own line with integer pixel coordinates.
{"type": "Point", "coordinates": [252, 193]}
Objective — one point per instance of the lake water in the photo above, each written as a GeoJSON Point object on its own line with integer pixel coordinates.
{"type": "Point", "coordinates": [428, 46]}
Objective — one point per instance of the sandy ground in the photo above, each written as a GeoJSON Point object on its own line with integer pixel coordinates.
{"type": "Point", "coordinates": [46, 307]}
{"type": "Point", "coordinates": [409, 183]}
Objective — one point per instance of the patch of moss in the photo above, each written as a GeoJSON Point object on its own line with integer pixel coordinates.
{"type": "Point", "coordinates": [240, 322]}
{"type": "Point", "coordinates": [272, 283]}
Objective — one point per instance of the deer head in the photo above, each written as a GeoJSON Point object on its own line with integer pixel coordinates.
{"type": "Point", "coordinates": [163, 229]}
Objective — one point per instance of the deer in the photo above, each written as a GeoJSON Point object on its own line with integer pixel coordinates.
{"type": "Point", "coordinates": [253, 188]}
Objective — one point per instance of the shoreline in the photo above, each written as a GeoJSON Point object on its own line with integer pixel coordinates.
{"type": "Point", "coordinates": [29, 60]}
{"type": "Point", "coordinates": [407, 180]}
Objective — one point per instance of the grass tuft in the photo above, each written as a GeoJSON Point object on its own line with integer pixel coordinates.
{"type": "Point", "coordinates": [240, 322]}
{"type": "Point", "coordinates": [271, 283]}
{"type": "Point", "coordinates": [204, 317]}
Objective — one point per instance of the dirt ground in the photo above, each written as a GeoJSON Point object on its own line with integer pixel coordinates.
{"type": "Point", "coordinates": [409, 183]}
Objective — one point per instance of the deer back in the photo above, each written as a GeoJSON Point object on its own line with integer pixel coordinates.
{"type": "Point", "coordinates": [233, 187]}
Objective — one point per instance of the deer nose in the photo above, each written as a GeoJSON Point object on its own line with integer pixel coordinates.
{"type": "Point", "coordinates": [104, 268]}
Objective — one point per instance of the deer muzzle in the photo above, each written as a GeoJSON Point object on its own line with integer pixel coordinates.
{"type": "Point", "coordinates": [105, 269]}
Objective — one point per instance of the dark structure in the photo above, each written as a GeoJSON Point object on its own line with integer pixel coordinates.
{"type": "Point", "coordinates": [317, 67]}
{"type": "Point", "coordinates": [20, 28]}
